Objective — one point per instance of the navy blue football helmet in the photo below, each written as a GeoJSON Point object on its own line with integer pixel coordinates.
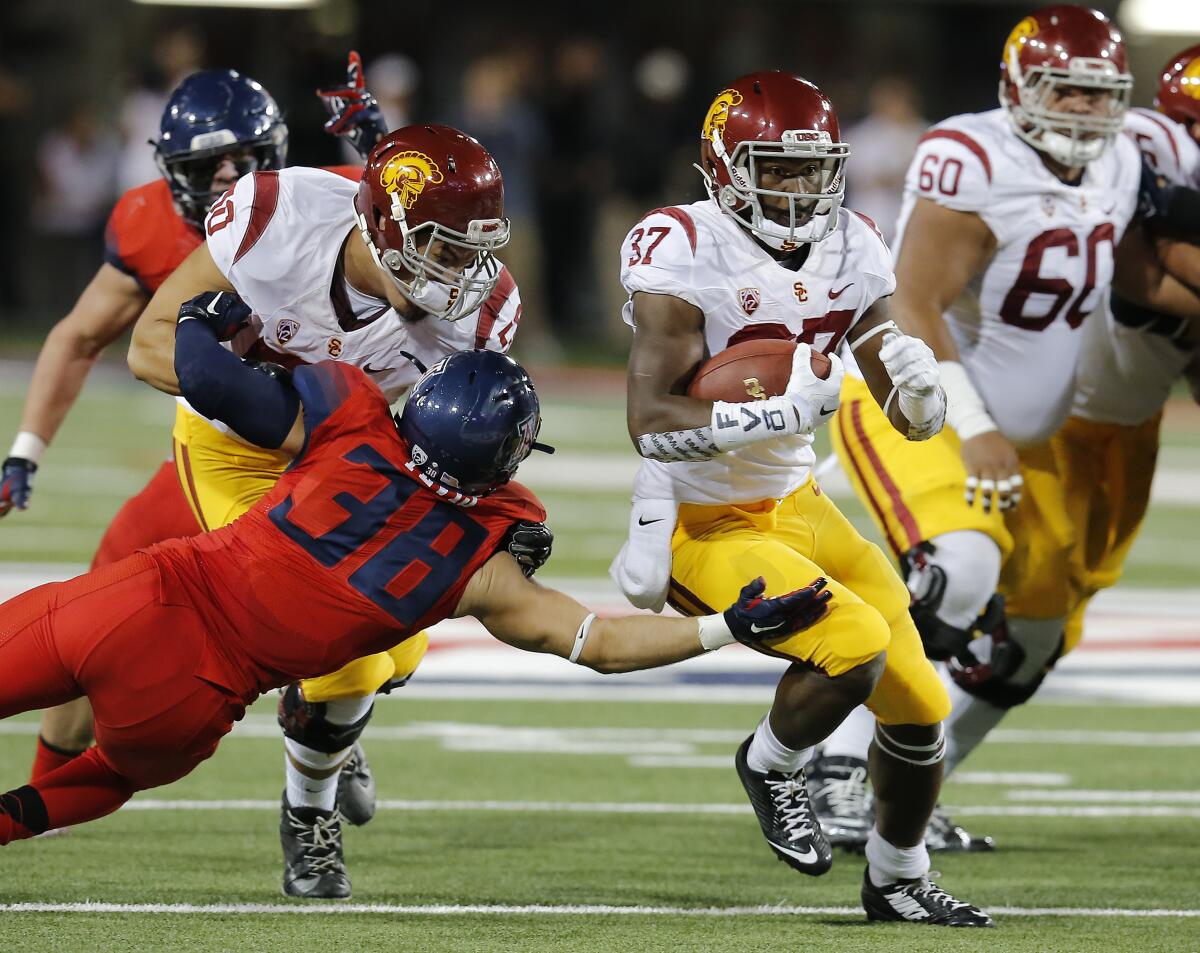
{"type": "Point", "coordinates": [212, 115]}
{"type": "Point", "coordinates": [470, 421]}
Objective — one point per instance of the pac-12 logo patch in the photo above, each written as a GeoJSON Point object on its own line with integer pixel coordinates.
{"type": "Point", "coordinates": [750, 299]}
{"type": "Point", "coordinates": [286, 329]}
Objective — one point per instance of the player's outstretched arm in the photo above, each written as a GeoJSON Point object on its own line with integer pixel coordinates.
{"type": "Point", "coordinates": [107, 307]}
{"type": "Point", "coordinates": [257, 400]}
{"type": "Point", "coordinates": [528, 616]}
{"type": "Point", "coordinates": [152, 350]}
{"type": "Point", "coordinates": [1161, 275]}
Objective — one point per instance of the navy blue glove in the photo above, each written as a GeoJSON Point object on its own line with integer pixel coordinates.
{"type": "Point", "coordinates": [530, 544]}
{"type": "Point", "coordinates": [16, 484]}
{"type": "Point", "coordinates": [222, 312]}
{"type": "Point", "coordinates": [752, 618]}
{"type": "Point", "coordinates": [356, 115]}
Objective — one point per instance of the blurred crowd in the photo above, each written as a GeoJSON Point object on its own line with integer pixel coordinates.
{"type": "Point", "coordinates": [592, 127]}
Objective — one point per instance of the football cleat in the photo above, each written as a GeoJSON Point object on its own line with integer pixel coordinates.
{"type": "Point", "coordinates": [356, 788]}
{"type": "Point", "coordinates": [786, 816]}
{"type": "Point", "coordinates": [919, 901]}
{"type": "Point", "coordinates": [842, 800]}
{"type": "Point", "coordinates": [943, 834]}
{"type": "Point", "coordinates": [313, 865]}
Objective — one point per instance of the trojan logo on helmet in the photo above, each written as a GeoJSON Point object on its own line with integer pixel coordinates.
{"type": "Point", "coordinates": [431, 212]}
{"type": "Point", "coordinates": [777, 121]}
{"type": "Point", "coordinates": [1065, 83]}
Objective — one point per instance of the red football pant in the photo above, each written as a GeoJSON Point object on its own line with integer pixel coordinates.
{"type": "Point", "coordinates": [159, 512]}
{"type": "Point", "coordinates": [108, 635]}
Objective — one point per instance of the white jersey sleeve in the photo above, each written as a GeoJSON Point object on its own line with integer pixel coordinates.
{"type": "Point", "coordinates": [872, 259]}
{"type": "Point", "coordinates": [499, 315]}
{"type": "Point", "coordinates": [953, 169]}
{"type": "Point", "coordinates": [658, 256]}
{"type": "Point", "coordinates": [1166, 146]}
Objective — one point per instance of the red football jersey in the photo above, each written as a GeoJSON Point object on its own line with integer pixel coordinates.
{"type": "Point", "coordinates": [348, 555]}
{"type": "Point", "coordinates": [147, 240]}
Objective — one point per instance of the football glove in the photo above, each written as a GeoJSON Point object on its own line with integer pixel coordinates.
{"type": "Point", "coordinates": [530, 545]}
{"type": "Point", "coordinates": [222, 312]}
{"type": "Point", "coordinates": [752, 618]}
{"type": "Point", "coordinates": [814, 398]}
{"type": "Point", "coordinates": [16, 484]}
{"type": "Point", "coordinates": [355, 114]}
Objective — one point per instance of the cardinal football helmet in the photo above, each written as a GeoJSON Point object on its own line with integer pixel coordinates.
{"type": "Point", "coordinates": [1058, 48]}
{"type": "Point", "coordinates": [212, 115]}
{"type": "Point", "coordinates": [428, 190]}
{"type": "Point", "coordinates": [470, 421]}
{"type": "Point", "coordinates": [771, 115]}
{"type": "Point", "coordinates": [1178, 94]}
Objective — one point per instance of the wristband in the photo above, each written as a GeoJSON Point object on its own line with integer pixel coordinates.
{"type": "Point", "coordinates": [736, 425]}
{"type": "Point", "coordinates": [581, 637]}
{"type": "Point", "coordinates": [714, 632]}
{"type": "Point", "coordinates": [965, 410]}
{"type": "Point", "coordinates": [28, 446]}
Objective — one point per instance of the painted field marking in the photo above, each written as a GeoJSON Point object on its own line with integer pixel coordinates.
{"type": "Point", "coordinates": [1084, 795]}
{"type": "Point", "coordinates": [649, 807]}
{"type": "Point", "coordinates": [451, 910]}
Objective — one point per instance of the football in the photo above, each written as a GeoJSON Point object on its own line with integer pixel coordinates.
{"type": "Point", "coordinates": [752, 370]}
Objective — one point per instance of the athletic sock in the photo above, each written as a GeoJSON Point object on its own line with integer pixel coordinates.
{"type": "Point", "coordinates": [768, 753]}
{"type": "Point", "coordinates": [852, 737]}
{"type": "Point", "coordinates": [48, 757]}
{"type": "Point", "coordinates": [303, 791]}
{"type": "Point", "coordinates": [887, 863]}
{"type": "Point", "coordinates": [83, 789]}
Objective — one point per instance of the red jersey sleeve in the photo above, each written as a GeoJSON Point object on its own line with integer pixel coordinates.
{"type": "Point", "coordinates": [145, 238]}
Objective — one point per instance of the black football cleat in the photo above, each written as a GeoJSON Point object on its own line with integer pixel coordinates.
{"type": "Point", "coordinates": [842, 800]}
{"type": "Point", "coordinates": [943, 834]}
{"type": "Point", "coordinates": [786, 816]}
{"type": "Point", "coordinates": [919, 901]}
{"type": "Point", "coordinates": [313, 865]}
{"type": "Point", "coordinates": [356, 788]}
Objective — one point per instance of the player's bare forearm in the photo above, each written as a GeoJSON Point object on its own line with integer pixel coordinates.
{"type": "Point", "coordinates": [668, 346]}
{"type": "Point", "coordinates": [941, 251]}
{"type": "Point", "coordinates": [152, 350]}
{"type": "Point", "coordinates": [1181, 260]}
{"type": "Point", "coordinates": [534, 618]}
{"type": "Point", "coordinates": [1145, 274]}
{"type": "Point", "coordinates": [106, 308]}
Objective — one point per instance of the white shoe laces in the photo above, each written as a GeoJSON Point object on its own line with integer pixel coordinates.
{"type": "Point", "coordinates": [846, 797]}
{"type": "Point", "coordinates": [321, 840]}
{"type": "Point", "coordinates": [790, 797]}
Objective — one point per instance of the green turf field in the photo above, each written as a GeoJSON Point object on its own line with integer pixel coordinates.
{"type": "Point", "coordinates": [553, 835]}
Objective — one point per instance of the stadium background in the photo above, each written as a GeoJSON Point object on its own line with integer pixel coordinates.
{"type": "Point", "coordinates": [592, 112]}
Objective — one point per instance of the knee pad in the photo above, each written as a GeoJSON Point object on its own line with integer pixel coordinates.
{"type": "Point", "coordinates": [952, 582]}
{"type": "Point", "coordinates": [307, 723]}
{"type": "Point", "coordinates": [1010, 670]}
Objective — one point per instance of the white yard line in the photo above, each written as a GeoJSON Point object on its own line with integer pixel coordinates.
{"type": "Point", "coordinates": [1084, 796]}
{"type": "Point", "coordinates": [648, 807]}
{"type": "Point", "coordinates": [452, 910]}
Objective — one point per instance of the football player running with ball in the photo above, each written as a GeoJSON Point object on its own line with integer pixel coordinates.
{"type": "Point", "coordinates": [726, 488]}
{"type": "Point", "coordinates": [1007, 240]}
{"type": "Point", "coordinates": [380, 528]}
{"type": "Point", "coordinates": [391, 275]}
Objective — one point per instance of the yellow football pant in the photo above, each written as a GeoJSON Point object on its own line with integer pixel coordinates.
{"type": "Point", "coordinates": [1107, 470]}
{"type": "Point", "coordinates": [222, 478]}
{"type": "Point", "coordinates": [790, 542]}
{"type": "Point", "coordinates": [914, 491]}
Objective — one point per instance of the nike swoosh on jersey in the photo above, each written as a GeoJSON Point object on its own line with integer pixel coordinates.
{"type": "Point", "coordinates": [368, 369]}
{"type": "Point", "coordinates": [646, 522]}
{"type": "Point", "coordinates": [837, 294]}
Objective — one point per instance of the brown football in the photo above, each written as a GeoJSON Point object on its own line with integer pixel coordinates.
{"type": "Point", "coordinates": [752, 370]}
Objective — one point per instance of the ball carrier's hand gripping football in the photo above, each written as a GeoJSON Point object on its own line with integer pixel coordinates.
{"type": "Point", "coordinates": [811, 383]}
{"type": "Point", "coordinates": [355, 113]}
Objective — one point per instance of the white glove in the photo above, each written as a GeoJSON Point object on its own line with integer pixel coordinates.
{"type": "Point", "coordinates": [913, 370]}
{"type": "Point", "coordinates": [815, 399]}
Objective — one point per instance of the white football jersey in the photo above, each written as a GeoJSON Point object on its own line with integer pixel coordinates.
{"type": "Point", "coordinates": [278, 238]}
{"type": "Point", "coordinates": [1018, 324]}
{"type": "Point", "coordinates": [1124, 374]}
{"type": "Point", "coordinates": [697, 253]}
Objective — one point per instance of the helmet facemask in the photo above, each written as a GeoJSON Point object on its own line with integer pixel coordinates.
{"type": "Point", "coordinates": [436, 288]}
{"type": "Point", "coordinates": [191, 174]}
{"type": "Point", "coordinates": [1072, 139]}
{"type": "Point", "coordinates": [811, 215]}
